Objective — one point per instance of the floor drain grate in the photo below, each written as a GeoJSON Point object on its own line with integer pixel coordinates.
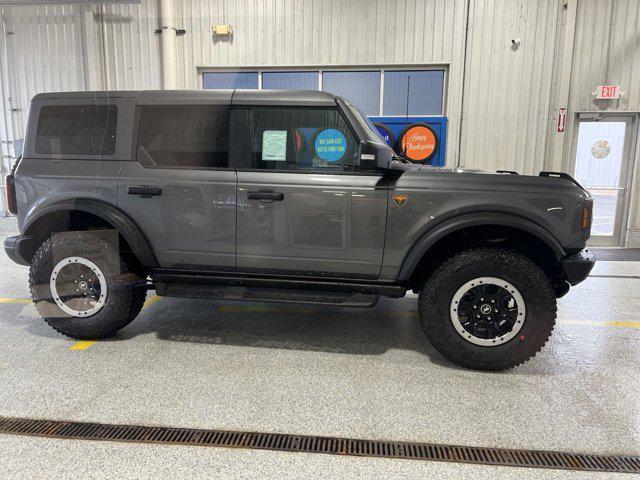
{"type": "Point", "coordinates": [617, 254]}
{"type": "Point", "coordinates": [312, 444]}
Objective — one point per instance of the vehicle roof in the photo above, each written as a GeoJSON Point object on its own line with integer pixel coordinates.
{"type": "Point", "coordinates": [234, 97]}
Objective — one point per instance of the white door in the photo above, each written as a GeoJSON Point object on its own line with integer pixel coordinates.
{"type": "Point", "coordinates": [602, 165]}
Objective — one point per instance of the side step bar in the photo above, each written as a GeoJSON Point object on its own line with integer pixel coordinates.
{"type": "Point", "coordinates": [257, 294]}
{"type": "Point", "coordinates": [171, 283]}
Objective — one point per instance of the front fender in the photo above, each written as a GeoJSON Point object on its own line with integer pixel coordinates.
{"type": "Point", "coordinates": [429, 238]}
{"type": "Point", "coordinates": [107, 212]}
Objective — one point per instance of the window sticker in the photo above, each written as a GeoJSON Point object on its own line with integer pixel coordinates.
{"type": "Point", "coordinates": [330, 145]}
{"type": "Point", "coordinates": [274, 146]}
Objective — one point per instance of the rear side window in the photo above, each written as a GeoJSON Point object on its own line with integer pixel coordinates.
{"type": "Point", "coordinates": [77, 129]}
{"type": "Point", "coordinates": [183, 136]}
{"type": "Point", "coordinates": [302, 139]}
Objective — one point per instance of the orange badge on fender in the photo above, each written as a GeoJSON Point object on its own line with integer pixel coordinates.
{"type": "Point", "coordinates": [400, 199]}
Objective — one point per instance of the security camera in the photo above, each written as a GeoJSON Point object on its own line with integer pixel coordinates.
{"type": "Point", "coordinates": [515, 42]}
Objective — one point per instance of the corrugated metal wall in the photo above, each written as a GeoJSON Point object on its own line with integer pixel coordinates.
{"type": "Point", "coordinates": [606, 52]}
{"type": "Point", "coordinates": [508, 89]}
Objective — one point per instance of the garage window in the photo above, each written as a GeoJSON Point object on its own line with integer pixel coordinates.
{"type": "Point", "coordinates": [231, 80]}
{"type": "Point", "coordinates": [185, 136]}
{"type": "Point", "coordinates": [360, 88]}
{"type": "Point", "coordinates": [416, 92]}
{"type": "Point", "coordinates": [77, 129]}
{"type": "Point", "coordinates": [290, 80]}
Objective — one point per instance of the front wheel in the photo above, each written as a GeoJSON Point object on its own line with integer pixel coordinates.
{"type": "Point", "coordinates": [488, 308]}
{"type": "Point", "coordinates": [81, 286]}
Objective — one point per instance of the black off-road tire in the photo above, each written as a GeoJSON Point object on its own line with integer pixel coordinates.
{"type": "Point", "coordinates": [125, 290]}
{"type": "Point", "coordinates": [532, 283]}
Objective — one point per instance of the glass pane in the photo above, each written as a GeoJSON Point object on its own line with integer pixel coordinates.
{"type": "Point", "coordinates": [229, 80]}
{"type": "Point", "coordinates": [183, 136]}
{"type": "Point", "coordinates": [77, 130]}
{"type": "Point", "coordinates": [360, 88]}
{"type": "Point", "coordinates": [290, 80]}
{"type": "Point", "coordinates": [598, 166]}
{"type": "Point", "coordinates": [301, 139]}
{"type": "Point", "coordinates": [425, 92]}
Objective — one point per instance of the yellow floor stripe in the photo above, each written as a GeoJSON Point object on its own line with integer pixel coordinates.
{"type": "Point", "coordinates": [15, 300]}
{"type": "Point", "coordinates": [82, 344]}
{"type": "Point", "coordinates": [593, 323]}
{"type": "Point", "coordinates": [151, 300]}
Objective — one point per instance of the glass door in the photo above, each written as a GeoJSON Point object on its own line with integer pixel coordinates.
{"type": "Point", "coordinates": [602, 166]}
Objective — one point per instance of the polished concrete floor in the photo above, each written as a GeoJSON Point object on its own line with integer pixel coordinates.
{"type": "Point", "coordinates": [316, 370]}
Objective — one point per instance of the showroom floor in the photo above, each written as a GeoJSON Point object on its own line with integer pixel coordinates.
{"type": "Point", "coordinates": [316, 370]}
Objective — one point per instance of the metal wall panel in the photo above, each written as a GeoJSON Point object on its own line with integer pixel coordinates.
{"type": "Point", "coordinates": [131, 49]}
{"type": "Point", "coordinates": [507, 89]}
{"type": "Point", "coordinates": [607, 52]}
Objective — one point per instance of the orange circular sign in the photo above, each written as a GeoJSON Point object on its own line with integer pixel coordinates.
{"type": "Point", "coordinates": [418, 143]}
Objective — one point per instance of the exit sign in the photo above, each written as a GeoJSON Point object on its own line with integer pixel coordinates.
{"type": "Point", "coordinates": [607, 92]}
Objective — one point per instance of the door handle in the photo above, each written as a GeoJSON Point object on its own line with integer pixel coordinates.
{"type": "Point", "coordinates": [266, 196]}
{"type": "Point", "coordinates": [145, 191]}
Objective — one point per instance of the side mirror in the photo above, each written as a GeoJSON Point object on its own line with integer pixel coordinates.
{"type": "Point", "coordinates": [375, 156]}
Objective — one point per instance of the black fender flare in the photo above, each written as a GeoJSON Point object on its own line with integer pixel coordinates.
{"type": "Point", "coordinates": [124, 224]}
{"type": "Point", "coordinates": [429, 238]}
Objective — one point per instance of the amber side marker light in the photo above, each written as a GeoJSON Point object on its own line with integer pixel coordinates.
{"type": "Point", "coordinates": [585, 217]}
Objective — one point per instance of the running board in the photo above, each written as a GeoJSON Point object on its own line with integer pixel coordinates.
{"type": "Point", "coordinates": [258, 294]}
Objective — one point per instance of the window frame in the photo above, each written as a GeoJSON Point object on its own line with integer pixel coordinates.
{"type": "Point", "coordinates": [319, 69]}
{"type": "Point", "coordinates": [136, 131]}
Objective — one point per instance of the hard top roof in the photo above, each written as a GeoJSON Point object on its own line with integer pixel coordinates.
{"type": "Point", "coordinates": [225, 97]}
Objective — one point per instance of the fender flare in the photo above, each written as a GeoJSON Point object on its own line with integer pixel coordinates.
{"type": "Point", "coordinates": [124, 224]}
{"type": "Point", "coordinates": [429, 238]}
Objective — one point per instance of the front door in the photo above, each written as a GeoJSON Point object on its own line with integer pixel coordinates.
{"type": "Point", "coordinates": [603, 160]}
{"type": "Point", "coordinates": [304, 208]}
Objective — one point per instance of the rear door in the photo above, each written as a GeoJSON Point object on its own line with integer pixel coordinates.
{"type": "Point", "coordinates": [304, 207]}
{"type": "Point", "coordinates": [179, 188]}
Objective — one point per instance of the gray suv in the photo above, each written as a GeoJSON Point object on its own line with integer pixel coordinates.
{"type": "Point", "coordinates": [283, 196]}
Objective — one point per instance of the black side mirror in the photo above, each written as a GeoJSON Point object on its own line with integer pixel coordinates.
{"type": "Point", "coordinates": [375, 156]}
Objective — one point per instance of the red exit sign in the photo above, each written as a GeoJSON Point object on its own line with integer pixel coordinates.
{"type": "Point", "coordinates": [607, 92]}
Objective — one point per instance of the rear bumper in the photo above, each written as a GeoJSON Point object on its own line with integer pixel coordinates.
{"type": "Point", "coordinates": [14, 246]}
{"type": "Point", "coordinates": [577, 267]}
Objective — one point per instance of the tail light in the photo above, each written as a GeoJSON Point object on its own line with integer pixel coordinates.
{"type": "Point", "coordinates": [11, 194]}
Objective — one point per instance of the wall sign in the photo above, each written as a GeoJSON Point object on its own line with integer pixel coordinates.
{"type": "Point", "coordinates": [330, 145]}
{"type": "Point", "coordinates": [385, 133]}
{"type": "Point", "coordinates": [562, 119]}
{"type": "Point", "coordinates": [607, 92]}
{"type": "Point", "coordinates": [418, 143]}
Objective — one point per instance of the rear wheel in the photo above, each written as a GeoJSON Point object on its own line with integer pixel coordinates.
{"type": "Point", "coordinates": [488, 308]}
{"type": "Point", "coordinates": [81, 286]}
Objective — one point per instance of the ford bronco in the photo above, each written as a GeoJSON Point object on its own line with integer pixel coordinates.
{"type": "Point", "coordinates": [283, 196]}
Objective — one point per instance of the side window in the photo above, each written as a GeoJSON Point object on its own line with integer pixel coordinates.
{"type": "Point", "coordinates": [301, 139]}
{"type": "Point", "coordinates": [183, 136]}
{"type": "Point", "coordinates": [77, 129]}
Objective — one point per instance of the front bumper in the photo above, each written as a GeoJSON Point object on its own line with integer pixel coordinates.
{"type": "Point", "coordinates": [15, 246]}
{"type": "Point", "coordinates": [577, 267]}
